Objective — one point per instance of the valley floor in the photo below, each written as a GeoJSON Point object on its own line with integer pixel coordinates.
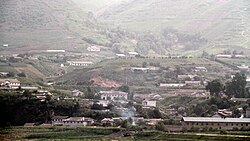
{"type": "Point", "coordinates": [110, 133]}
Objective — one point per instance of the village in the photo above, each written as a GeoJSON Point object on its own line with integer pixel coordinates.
{"type": "Point", "coordinates": [140, 107]}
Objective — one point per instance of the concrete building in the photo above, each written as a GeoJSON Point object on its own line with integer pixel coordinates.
{"type": "Point", "coordinates": [214, 122]}
{"type": "Point", "coordinates": [113, 95]}
{"type": "Point", "coordinates": [80, 63]}
{"type": "Point", "coordinates": [72, 121]}
{"type": "Point", "coordinates": [10, 83]}
{"type": "Point", "coordinates": [248, 113]}
{"type": "Point", "coordinates": [148, 103]}
{"type": "Point", "coordinates": [193, 83]}
{"type": "Point", "coordinates": [78, 121]}
{"type": "Point", "coordinates": [58, 120]}
{"type": "Point", "coordinates": [94, 49]}
{"type": "Point", "coordinates": [200, 69]}
{"type": "Point", "coordinates": [176, 85]}
{"type": "Point", "coordinates": [56, 51]}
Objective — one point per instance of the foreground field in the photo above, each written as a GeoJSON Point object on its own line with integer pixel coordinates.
{"type": "Point", "coordinates": [100, 133]}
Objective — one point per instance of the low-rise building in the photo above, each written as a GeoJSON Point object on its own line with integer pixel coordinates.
{"type": "Point", "coordinates": [120, 55]}
{"type": "Point", "coordinates": [72, 121]}
{"type": "Point", "coordinates": [78, 121]}
{"type": "Point", "coordinates": [132, 53]}
{"type": "Point", "coordinates": [94, 49]}
{"type": "Point", "coordinates": [224, 56]}
{"type": "Point", "coordinates": [219, 123]}
{"type": "Point", "coordinates": [200, 69]}
{"type": "Point", "coordinates": [56, 51]}
{"type": "Point", "coordinates": [148, 103]}
{"type": "Point", "coordinates": [185, 76]}
{"type": "Point", "coordinates": [137, 69]}
{"type": "Point", "coordinates": [58, 120]}
{"type": "Point", "coordinates": [243, 67]}
{"type": "Point", "coordinates": [248, 112]}
{"type": "Point", "coordinates": [113, 95]}
{"type": "Point", "coordinates": [10, 83]}
{"type": "Point", "coordinates": [176, 85]}
{"type": "Point", "coordinates": [80, 63]}
{"type": "Point", "coordinates": [107, 121]}
{"type": "Point", "coordinates": [152, 121]}
{"type": "Point", "coordinates": [193, 83]}
{"type": "Point", "coordinates": [4, 74]}
{"type": "Point", "coordinates": [5, 45]}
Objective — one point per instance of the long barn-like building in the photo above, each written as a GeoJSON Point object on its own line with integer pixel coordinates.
{"type": "Point", "coordinates": [216, 123]}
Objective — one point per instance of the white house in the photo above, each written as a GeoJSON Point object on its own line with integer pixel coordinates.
{"type": "Point", "coordinates": [176, 85]}
{"type": "Point", "coordinates": [78, 121]}
{"type": "Point", "coordinates": [148, 103]}
{"type": "Point", "coordinates": [94, 49]}
{"type": "Point", "coordinates": [10, 83]}
{"type": "Point", "coordinates": [200, 69]}
{"type": "Point", "coordinates": [224, 56]}
{"type": "Point", "coordinates": [80, 63]}
{"type": "Point", "coordinates": [56, 51]}
{"type": "Point", "coordinates": [58, 120]}
{"type": "Point", "coordinates": [4, 73]}
{"type": "Point", "coordinates": [113, 95]}
{"type": "Point", "coordinates": [193, 83]}
{"type": "Point", "coordinates": [183, 77]}
{"type": "Point", "coordinates": [120, 55]}
{"type": "Point", "coordinates": [243, 67]}
{"type": "Point", "coordinates": [5, 45]}
{"type": "Point", "coordinates": [139, 69]}
{"type": "Point", "coordinates": [133, 53]}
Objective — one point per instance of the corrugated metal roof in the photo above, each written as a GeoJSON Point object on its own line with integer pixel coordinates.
{"type": "Point", "coordinates": [220, 120]}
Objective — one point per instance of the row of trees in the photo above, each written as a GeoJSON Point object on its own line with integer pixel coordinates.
{"type": "Point", "coordinates": [19, 108]}
{"type": "Point", "coordinates": [234, 88]}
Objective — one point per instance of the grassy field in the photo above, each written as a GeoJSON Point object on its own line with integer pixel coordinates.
{"type": "Point", "coordinates": [107, 134]}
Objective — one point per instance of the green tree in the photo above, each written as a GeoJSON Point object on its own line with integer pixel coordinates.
{"type": "Point", "coordinates": [237, 87]}
{"type": "Point", "coordinates": [126, 89]}
{"type": "Point", "coordinates": [215, 87]}
{"type": "Point", "coordinates": [160, 126]}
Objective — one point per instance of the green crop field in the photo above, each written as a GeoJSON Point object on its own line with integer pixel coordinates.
{"type": "Point", "coordinates": [107, 134]}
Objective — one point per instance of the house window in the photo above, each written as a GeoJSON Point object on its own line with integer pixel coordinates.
{"type": "Point", "coordinates": [218, 124]}
{"type": "Point", "coordinates": [232, 124]}
{"type": "Point", "coordinates": [206, 123]}
{"type": "Point", "coordinates": [246, 124]}
{"type": "Point", "coordinates": [241, 124]}
{"type": "Point", "coordinates": [226, 124]}
{"type": "Point", "coordinates": [212, 123]}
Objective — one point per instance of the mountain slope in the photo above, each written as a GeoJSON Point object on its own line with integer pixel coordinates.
{"type": "Point", "coordinates": [223, 22]}
{"type": "Point", "coordinates": [37, 25]}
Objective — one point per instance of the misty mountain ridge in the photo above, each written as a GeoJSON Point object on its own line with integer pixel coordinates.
{"type": "Point", "coordinates": [150, 27]}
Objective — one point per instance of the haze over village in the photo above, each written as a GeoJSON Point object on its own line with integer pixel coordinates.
{"type": "Point", "coordinates": [125, 70]}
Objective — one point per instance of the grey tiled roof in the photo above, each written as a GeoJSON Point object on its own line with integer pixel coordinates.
{"type": "Point", "coordinates": [220, 120]}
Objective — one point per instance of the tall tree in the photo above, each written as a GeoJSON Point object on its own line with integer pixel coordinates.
{"type": "Point", "coordinates": [215, 87]}
{"type": "Point", "coordinates": [237, 87]}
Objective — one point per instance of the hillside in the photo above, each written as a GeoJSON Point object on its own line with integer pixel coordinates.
{"type": "Point", "coordinates": [152, 28]}
{"type": "Point", "coordinates": [59, 24]}
{"type": "Point", "coordinates": [117, 72]}
{"type": "Point", "coordinates": [225, 23]}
